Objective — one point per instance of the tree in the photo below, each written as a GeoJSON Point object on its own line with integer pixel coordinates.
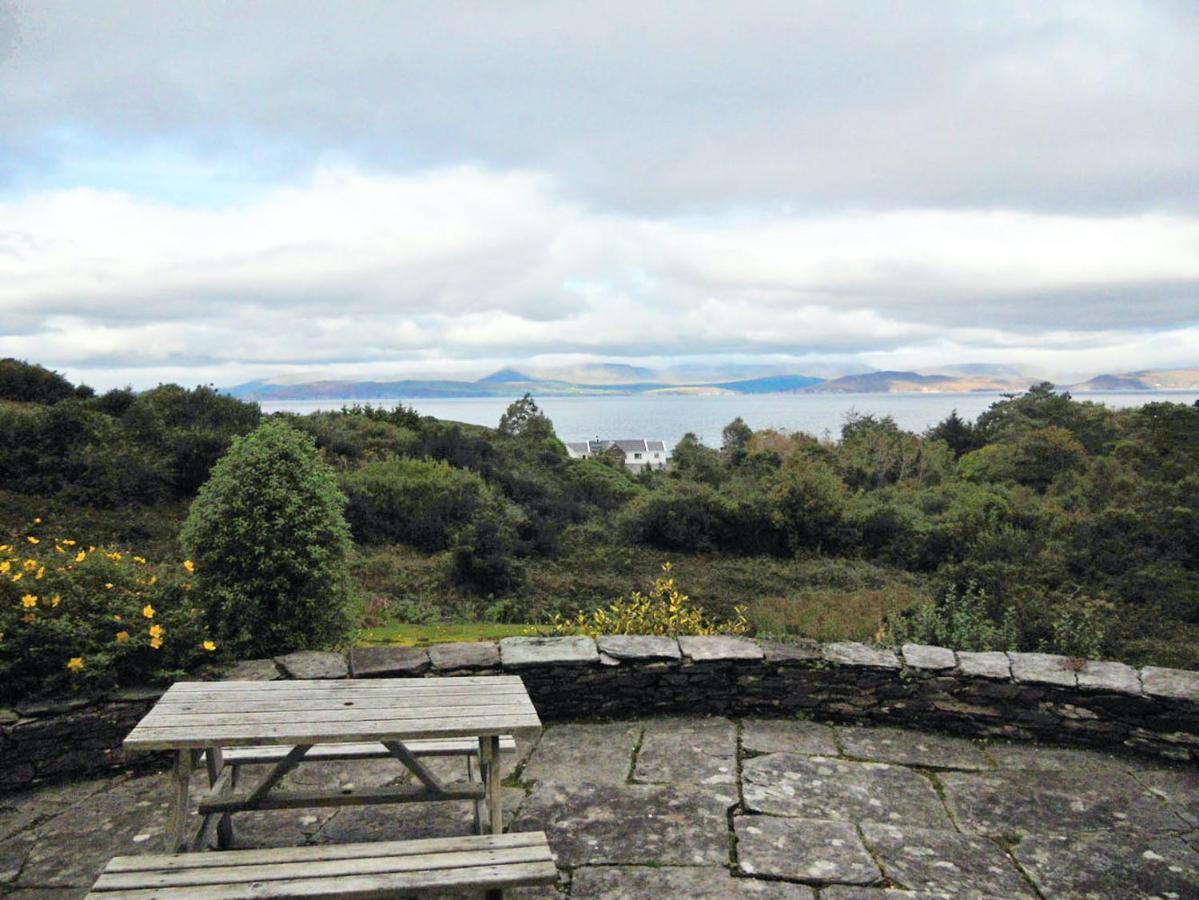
{"type": "Point", "coordinates": [524, 419]}
{"type": "Point", "coordinates": [271, 546]}
{"type": "Point", "coordinates": [957, 433]}
{"type": "Point", "coordinates": [735, 440]}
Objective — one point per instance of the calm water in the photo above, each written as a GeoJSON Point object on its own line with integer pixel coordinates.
{"type": "Point", "coordinates": [668, 418]}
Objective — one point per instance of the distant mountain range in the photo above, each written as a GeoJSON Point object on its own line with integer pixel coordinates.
{"type": "Point", "coordinates": [616, 380]}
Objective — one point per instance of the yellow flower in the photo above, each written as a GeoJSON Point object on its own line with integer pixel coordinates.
{"type": "Point", "coordinates": [148, 611]}
{"type": "Point", "coordinates": [4, 567]}
{"type": "Point", "coordinates": [116, 618]}
{"type": "Point", "coordinates": [122, 636]}
{"type": "Point", "coordinates": [189, 565]}
{"type": "Point", "coordinates": [37, 521]}
{"type": "Point", "coordinates": [30, 565]}
{"type": "Point", "coordinates": [68, 543]}
{"type": "Point", "coordinates": [157, 631]}
{"type": "Point", "coordinates": [80, 556]}
{"type": "Point", "coordinates": [58, 548]}
{"type": "Point", "coordinates": [18, 576]}
{"type": "Point", "coordinates": [108, 585]}
{"type": "Point", "coordinates": [4, 548]}
{"type": "Point", "coordinates": [29, 601]}
{"type": "Point", "coordinates": [153, 580]}
{"type": "Point", "coordinates": [55, 600]}
{"type": "Point", "coordinates": [209, 645]}
{"type": "Point", "coordinates": [114, 556]}
{"type": "Point", "coordinates": [41, 571]}
{"type": "Point", "coordinates": [75, 663]}
{"type": "Point", "coordinates": [140, 560]}
{"type": "Point", "coordinates": [33, 540]}
{"type": "Point", "coordinates": [155, 643]}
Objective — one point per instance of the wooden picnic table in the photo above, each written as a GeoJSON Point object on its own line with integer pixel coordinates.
{"type": "Point", "coordinates": [198, 719]}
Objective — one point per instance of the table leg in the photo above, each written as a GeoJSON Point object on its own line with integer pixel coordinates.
{"type": "Point", "coordinates": [224, 827]}
{"type": "Point", "coordinates": [489, 766]}
{"type": "Point", "coordinates": [181, 782]}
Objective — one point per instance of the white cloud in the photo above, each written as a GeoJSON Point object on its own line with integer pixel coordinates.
{"type": "Point", "coordinates": [419, 272]}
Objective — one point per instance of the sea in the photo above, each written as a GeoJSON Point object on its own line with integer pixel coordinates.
{"type": "Point", "coordinates": [667, 417]}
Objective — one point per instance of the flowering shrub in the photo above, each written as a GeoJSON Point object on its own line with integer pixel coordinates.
{"type": "Point", "coordinates": [76, 615]}
{"type": "Point", "coordinates": [664, 610]}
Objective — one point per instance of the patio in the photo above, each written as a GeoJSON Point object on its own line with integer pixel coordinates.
{"type": "Point", "coordinates": [714, 807]}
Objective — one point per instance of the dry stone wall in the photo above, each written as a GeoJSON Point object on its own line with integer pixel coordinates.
{"type": "Point", "coordinates": [1015, 695]}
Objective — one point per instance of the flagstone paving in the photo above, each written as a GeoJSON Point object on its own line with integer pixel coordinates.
{"type": "Point", "coordinates": [711, 807]}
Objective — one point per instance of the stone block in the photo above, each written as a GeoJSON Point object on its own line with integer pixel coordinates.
{"type": "Point", "coordinates": [516, 652]}
{"type": "Point", "coordinates": [465, 655]}
{"type": "Point", "coordinates": [847, 653]}
{"type": "Point", "coordinates": [1175, 684]}
{"type": "Point", "coordinates": [1043, 668]}
{"type": "Point", "coordinates": [803, 850]}
{"type": "Point", "coordinates": [253, 670]}
{"type": "Point", "coordinates": [719, 648]}
{"type": "Point", "coordinates": [1109, 676]}
{"type": "Point", "coordinates": [638, 647]}
{"type": "Point", "coordinates": [388, 662]}
{"type": "Point", "coordinates": [985, 664]}
{"type": "Point", "coordinates": [798, 650]}
{"type": "Point", "coordinates": [314, 664]}
{"type": "Point", "coordinates": [944, 861]}
{"type": "Point", "coordinates": [923, 656]}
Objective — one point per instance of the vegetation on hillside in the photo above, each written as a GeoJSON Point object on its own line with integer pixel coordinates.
{"type": "Point", "coordinates": [1047, 523]}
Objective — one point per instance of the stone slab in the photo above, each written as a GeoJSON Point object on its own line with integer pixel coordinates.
{"type": "Point", "coordinates": [388, 662]}
{"type": "Point", "coordinates": [415, 821]}
{"type": "Point", "coordinates": [600, 753]}
{"type": "Point", "coordinates": [819, 787]}
{"type": "Point", "coordinates": [944, 861]}
{"type": "Point", "coordinates": [847, 892]}
{"type": "Point", "coordinates": [1099, 675]}
{"type": "Point", "coordinates": [253, 670]}
{"type": "Point", "coordinates": [719, 648]}
{"type": "Point", "coordinates": [787, 736]}
{"type": "Point", "coordinates": [1029, 755]}
{"type": "Point", "coordinates": [985, 664]}
{"type": "Point", "coordinates": [924, 656]}
{"type": "Point", "coordinates": [847, 653]}
{"type": "Point", "coordinates": [816, 850]}
{"type": "Point", "coordinates": [689, 751]}
{"type": "Point", "coordinates": [465, 655]}
{"type": "Point", "coordinates": [1042, 668]}
{"type": "Point", "coordinates": [314, 664]}
{"type": "Point", "coordinates": [798, 650]}
{"type": "Point", "coordinates": [695, 882]}
{"type": "Point", "coordinates": [912, 748]}
{"type": "Point", "coordinates": [1178, 786]}
{"type": "Point", "coordinates": [1109, 864]}
{"type": "Point", "coordinates": [639, 647]}
{"type": "Point", "coordinates": [1014, 803]}
{"type": "Point", "coordinates": [1174, 684]}
{"type": "Point", "coordinates": [544, 651]}
{"type": "Point", "coordinates": [633, 824]}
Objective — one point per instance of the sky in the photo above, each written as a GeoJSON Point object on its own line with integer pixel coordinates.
{"type": "Point", "coordinates": [213, 192]}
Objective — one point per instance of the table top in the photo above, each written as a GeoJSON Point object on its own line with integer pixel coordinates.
{"type": "Point", "coordinates": [197, 714]}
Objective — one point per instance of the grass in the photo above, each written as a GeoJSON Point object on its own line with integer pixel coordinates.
{"type": "Point", "coordinates": [440, 633]}
{"type": "Point", "coordinates": [831, 615]}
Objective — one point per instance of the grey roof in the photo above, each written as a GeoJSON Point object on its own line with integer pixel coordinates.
{"type": "Point", "coordinates": [632, 445]}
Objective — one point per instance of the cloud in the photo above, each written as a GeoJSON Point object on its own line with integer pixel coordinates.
{"type": "Point", "coordinates": [368, 269]}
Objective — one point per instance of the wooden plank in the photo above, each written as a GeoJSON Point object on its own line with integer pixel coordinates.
{"type": "Point", "coordinates": [362, 887]}
{"type": "Point", "coordinates": [478, 695]}
{"type": "Point", "coordinates": [414, 765]}
{"type": "Point", "coordinates": [168, 738]}
{"type": "Point", "coordinates": [326, 852]}
{"type": "Point", "coordinates": [276, 774]}
{"type": "Point", "coordinates": [244, 756]}
{"type": "Point", "coordinates": [489, 754]}
{"type": "Point", "coordinates": [180, 785]}
{"type": "Point", "coordinates": [390, 712]}
{"type": "Point", "coordinates": [281, 871]}
{"type": "Point", "coordinates": [363, 701]}
{"type": "Point", "coordinates": [336, 684]}
{"type": "Point", "coordinates": [459, 790]}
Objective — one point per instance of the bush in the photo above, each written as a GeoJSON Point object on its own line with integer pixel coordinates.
{"type": "Point", "coordinates": [413, 501]}
{"type": "Point", "coordinates": [484, 551]}
{"type": "Point", "coordinates": [74, 616]}
{"type": "Point", "coordinates": [347, 439]}
{"type": "Point", "coordinates": [960, 619]}
{"type": "Point", "coordinates": [680, 515]}
{"type": "Point", "coordinates": [271, 545]}
{"type": "Point", "coordinates": [28, 383]}
{"type": "Point", "coordinates": [808, 501]}
{"type": "Point", "coordinates": [665, 610]}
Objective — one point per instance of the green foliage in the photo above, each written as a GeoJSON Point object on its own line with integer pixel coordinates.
{"type": "Point", "coordinates": [484, 551]}
{"type": "Point", "coordinates": [351, 438]}
{"type": "Point", "coordinates": [523, 419]}
{"type": "Point", "coordinates": [808, 503]}
{"type": "Point", "coordinates": [596, 481]}
{"type": "Point", "coordinates": [76, 616]}
{"type": "Point", "coordinates": [271, 545]}
{"type": "Point", "coordinates": [414, 501]}
{"type": "Point", "coordinates": [24, 382]}
{"type": "Point", "coordinates": [959, 619]}
{"type": "Point", "coordinates": [1079, 628]}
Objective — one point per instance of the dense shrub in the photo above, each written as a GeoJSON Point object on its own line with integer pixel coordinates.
{"type": "Point", "coordinates": [271, 545]}
{"type": "Point", "coordinates": [808, 504]}
{"type": "Point", "coordinates": [680, 515]}
{"type": "Point", "coordinates": [958, 619]}
{"type": "Point", "coordinates": [484, 558]}
{"type": "Point", "coordinates": [413, 501]}
{"type": "Point", "coordinates": [24, 382]}
{"type": "Point", "coordinates": [76, 616]}
{"type": "Point", "coordinates": [348, 439]}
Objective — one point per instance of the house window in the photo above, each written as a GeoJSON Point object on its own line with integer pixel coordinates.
{"type": "Point", "coordinates": [636, 456]}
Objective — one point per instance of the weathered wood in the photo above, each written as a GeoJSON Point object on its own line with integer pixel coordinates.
{"type": "Point", "coordinates": [276, 774]}
{"type": "Point", "coordinates": [362, 887]}
{"type": "Point", "coordinates": [147, 737]}
{"type": "Point", "coordinates": [414, 765]}
{"type": "Point", "coordinates": [220, 780]}
{"type": "Point", "coordinates": [325, 852]}
{"type": "Point", "coordinates": [489, 751]}
{"type": "Point", "coordinates": [379, 684]}
{"type": "Point", "coordinates": [459, 790]}
{"type": "Point", "coordinates": [243, 756]}
{"type": "Point", "coordinates": [250, 704]}
{"type": "Point", "coordinates": [180, 784]}
{"type": "Point", "coordinates": [343, 713]}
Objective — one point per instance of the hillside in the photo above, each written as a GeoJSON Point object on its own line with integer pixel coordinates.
{"type": "Point", "coordinates": [1145, 380]}
{"type": "Point", "coordinates": [913, 382]}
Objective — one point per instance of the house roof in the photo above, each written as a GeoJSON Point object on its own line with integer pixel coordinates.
{"type": "Point", "coordinates": [632, 445]}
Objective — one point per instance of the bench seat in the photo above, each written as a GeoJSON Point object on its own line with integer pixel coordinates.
{"type": "Point", "coordinates": [371, 870]}
{"type": "Point", "coordinates": [247, 756]}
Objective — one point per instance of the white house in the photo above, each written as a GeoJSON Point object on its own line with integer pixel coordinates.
{"type": "Point", "coordinates": [638, 454]}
